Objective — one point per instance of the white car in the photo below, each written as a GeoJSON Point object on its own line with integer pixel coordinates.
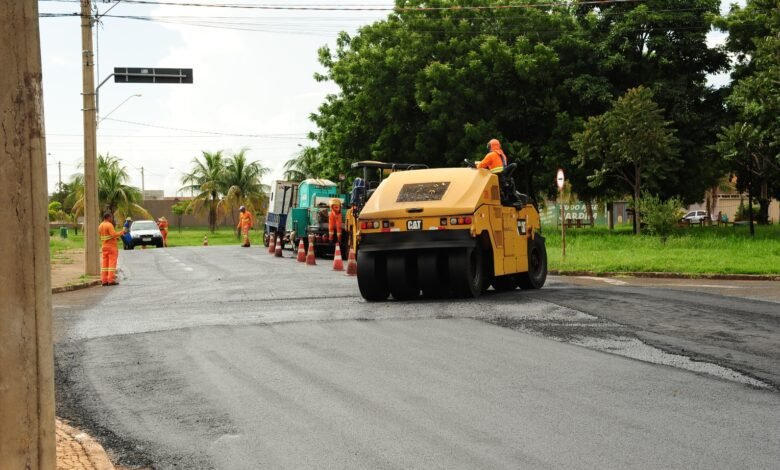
{"type": "Point", "coordinates": [145, 232]}
{"type": "Point", "coordinates": [695, 217]}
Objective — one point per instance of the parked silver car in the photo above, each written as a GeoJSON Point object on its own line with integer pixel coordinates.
{"type": "Point", "coordinates": [145, 232]}
{"type": "Point", "coordinates": [695, 217]}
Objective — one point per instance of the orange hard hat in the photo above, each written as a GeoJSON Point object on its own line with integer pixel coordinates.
{"type": "Point", "coordinates": [494, 145]}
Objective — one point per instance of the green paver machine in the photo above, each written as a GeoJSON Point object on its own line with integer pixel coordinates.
{"type": "Point", "coordinates": [310, 216]}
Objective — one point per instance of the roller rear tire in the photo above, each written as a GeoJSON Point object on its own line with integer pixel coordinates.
{"type": "Point", "coordinates": [402, 276]}
{"type": "Point", "coordinates": [432, 274]}
{"type": "Point", "coordinates": [372, 276]}
{"type": "Point", "coordinates": [537, 265]}
{"type": "Point", "coordinates": [467, 272]}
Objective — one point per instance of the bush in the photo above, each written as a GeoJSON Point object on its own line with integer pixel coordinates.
{"type": "Point", "coordinates": [744, 214]}
{"type": "Point", "coordinates": [660, 216]}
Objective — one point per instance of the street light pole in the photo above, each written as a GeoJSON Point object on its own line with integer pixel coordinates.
{"type": "Point", "coordinates": [137, 95]}
{"type": "Point", "coordinates": [92, 261]}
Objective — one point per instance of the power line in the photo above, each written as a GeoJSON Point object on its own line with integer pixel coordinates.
{"type": "Point", "coordinates": [228, 134]}
{"type": "Point", "coordinates": [342, 7]}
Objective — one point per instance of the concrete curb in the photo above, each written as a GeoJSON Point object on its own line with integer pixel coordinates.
{"type": "Point", "coordinates": [95, 453]}
{"type": "Point", "coordinates": [72, 287]}
{"type": "Point", "coordinates": [723, 277]}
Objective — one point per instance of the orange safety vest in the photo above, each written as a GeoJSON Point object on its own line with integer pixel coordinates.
{"type": "Point", "coordinates": [494, 161]}
{"type": "Point", "coordinates": [334, 221]}
{"type": "Point", "coordinates": [108, 235]}
{"type": "Point", "coordinates": [244, 219]}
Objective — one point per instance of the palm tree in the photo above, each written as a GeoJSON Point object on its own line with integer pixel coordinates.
{"type": "Point", "coordinates": [302, 166]}
{"type": "Point", "coordinates": [241, 182]}
{"type": "Point", "coordinates": [206, 178]}
{"type": "Point", "coordinates": [114, 195]}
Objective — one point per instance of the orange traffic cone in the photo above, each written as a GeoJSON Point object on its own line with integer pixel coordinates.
{"type": "Point", "coordinates": [338, 263]}
{"type": "Point", "coordinates": [310, 254]}
{"type": "Point", "coordinates": [351, 263]}
{"type": "Point", "coordinates": [301, 252]}
{"type": "Point", "coordinates": [278, 248]}
{"type": "Point", "coordinates": [272, 244]}
{"type": "Point", "coordinates": [205, 240]}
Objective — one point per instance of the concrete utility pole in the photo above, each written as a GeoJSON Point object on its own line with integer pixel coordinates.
{"type": "Point", "coordinates": [27, 438]}
{"type": "Point", "coordinates": [143, 184]}
{"type": "Point", "coordinates": [91, 216]}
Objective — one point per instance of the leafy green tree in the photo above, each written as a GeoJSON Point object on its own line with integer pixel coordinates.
{"type": "Point", "coordinates": [114, 195]}
{"type": "Point", "coordinates": [632, 144]}
{"type": "Point", "coordinates": [206, 179]}
{"type": "Point", "coordinates": [433, 86]}
{"type": "Point", "coordinates": [56, 214]}
{"type": "Point", "coordinates": [661, 44]}
{"type": "Point", "coordinates": [660, 216]}
{"type": "Point", "coordinates": [749, 151]}
{"type": "Point", "coordinates": [751, 145]}
{"type": "Point", "coordinates": [179, 209]}
{"type": "Point", "coordinates": [241, 182]}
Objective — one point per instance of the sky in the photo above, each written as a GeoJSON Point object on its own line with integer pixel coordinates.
{"type": "Point", "coordinates": [253, 84]}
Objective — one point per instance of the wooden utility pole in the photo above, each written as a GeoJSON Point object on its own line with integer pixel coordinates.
{"type": "Point", "coordinates": [27, 439]}
{"type": "Point", "coordinates": [91, 216]}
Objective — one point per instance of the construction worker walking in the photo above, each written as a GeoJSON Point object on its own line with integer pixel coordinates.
{"type": "Point", "coordinates": [245, 223]}
{"type": "Point", "coordinates": [162, 224]}
{"type": "Point", "coordinates": [108, 237]}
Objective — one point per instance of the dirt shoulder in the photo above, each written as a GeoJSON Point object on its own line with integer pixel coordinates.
{"type": "Point", "coordinates": [67, 268]}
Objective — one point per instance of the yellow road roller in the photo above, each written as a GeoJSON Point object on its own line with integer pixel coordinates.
{"type": "Point", "coordinates": [444, 232]}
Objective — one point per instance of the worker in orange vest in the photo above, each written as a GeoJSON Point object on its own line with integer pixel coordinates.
{"type": "Point", "coordinates": [495, 160]}
{"type": "Point", "coordinates": [162, 224]}
{"type": "Point", "coordinates": [334, 220]}
{"type": "Point", "coordinates": [244, 223]}
{"type": "Point", "coordinates": [108, 237]}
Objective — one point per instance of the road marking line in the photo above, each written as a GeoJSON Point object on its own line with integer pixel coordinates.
{"type": "Point", "coordinates": [713, 286]}
{"type": "Point", "coordinates": [614, 282]}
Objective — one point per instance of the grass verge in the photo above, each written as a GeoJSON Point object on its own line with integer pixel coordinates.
{"type": "Point", "coordinates": [707, 250]}
{"type": "Point", "coordinates": [696, 250]}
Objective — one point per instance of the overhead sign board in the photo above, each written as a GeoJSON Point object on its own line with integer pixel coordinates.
{"type": "Point", "coordinates": [151, 75]}
{"type": "Point", "coordinates": [559, 179]}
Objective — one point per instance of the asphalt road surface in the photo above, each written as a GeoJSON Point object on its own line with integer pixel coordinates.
{"type": "Point", "coordinates": [223, 357]}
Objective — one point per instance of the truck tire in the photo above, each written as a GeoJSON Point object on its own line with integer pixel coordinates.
{"type": "Point", "coordinates": [372, 276]}
{"type": "Point", "coordinates": [537, 265]}
{"type": "Point", "coordinates": [467, 271]}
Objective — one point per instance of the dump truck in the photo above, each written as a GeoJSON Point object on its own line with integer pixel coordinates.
{"type": "Point", "coordinates": [280, 203]}
{"type": "Point", "coordinates": [309, 216]}
{"type": "Point", "coordinates": [446, 232]}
